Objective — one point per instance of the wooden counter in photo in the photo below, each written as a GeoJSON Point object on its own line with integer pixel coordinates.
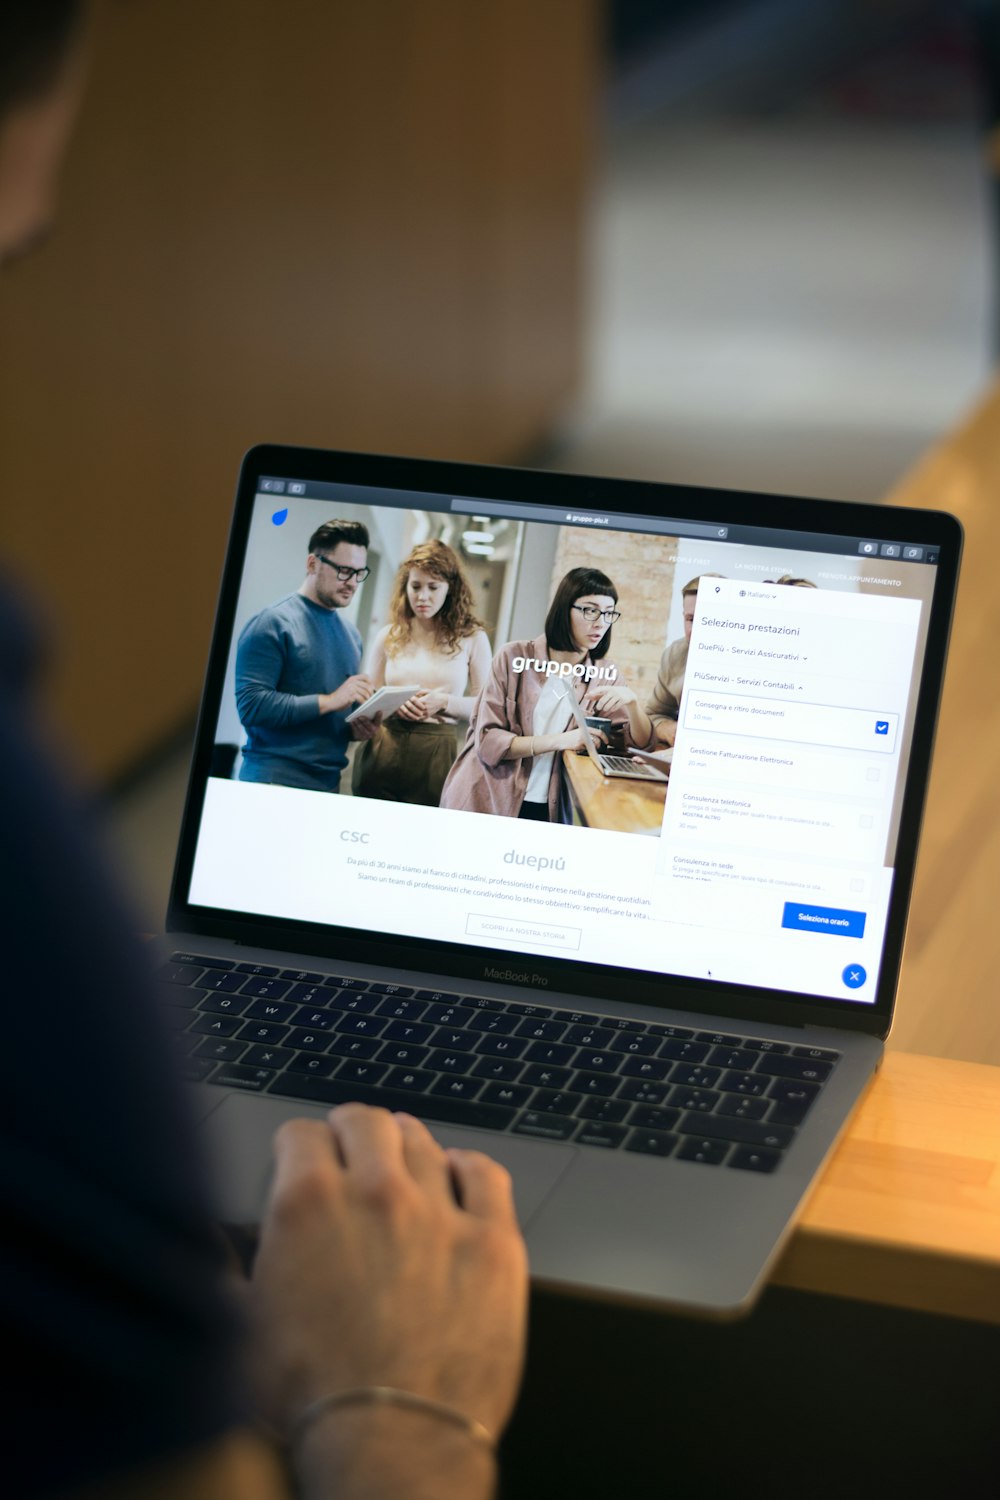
{"type": "Point", "coordinates": [619, 804]}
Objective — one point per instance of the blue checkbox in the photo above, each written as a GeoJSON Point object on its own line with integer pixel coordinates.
{"type": "Point", "coordinates": [881, 726]}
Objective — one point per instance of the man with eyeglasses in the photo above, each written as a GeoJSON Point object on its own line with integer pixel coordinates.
{"type": "Point", "coordinates": [298, 670]}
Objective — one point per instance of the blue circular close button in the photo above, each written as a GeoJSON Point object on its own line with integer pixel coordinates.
{"type": "Point", "coordinates": [854, 976]}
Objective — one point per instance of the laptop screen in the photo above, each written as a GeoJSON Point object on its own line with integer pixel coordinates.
{"type": "Point", "coordinates": [771, 672]}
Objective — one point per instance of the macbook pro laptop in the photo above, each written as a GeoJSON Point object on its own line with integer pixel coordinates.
{"type": "Point", "coordinates": [609, 764]}
{"type": "Point", "coordinates": [662, 1037]}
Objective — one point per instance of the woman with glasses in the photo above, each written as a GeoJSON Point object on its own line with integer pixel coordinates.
{"type": "Point", "coordinates": [434, 638]}
{"type": "Point", "coordinates": [511, 763]}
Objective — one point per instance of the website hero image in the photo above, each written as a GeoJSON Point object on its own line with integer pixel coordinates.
{"type": "Point", "coordinates": [543, 738]}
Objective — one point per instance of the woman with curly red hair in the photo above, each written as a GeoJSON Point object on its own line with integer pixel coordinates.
{"type": "Point", "coordinates": [433, 637]}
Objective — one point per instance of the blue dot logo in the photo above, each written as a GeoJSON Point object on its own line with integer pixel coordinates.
{"type": "Point", "coordinates": [854, 976]}
{"type": "Point", "coordinates": [280, 517]}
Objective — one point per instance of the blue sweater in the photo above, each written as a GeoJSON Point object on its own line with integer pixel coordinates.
{"type": "Point", "coordinates": [288, 654]}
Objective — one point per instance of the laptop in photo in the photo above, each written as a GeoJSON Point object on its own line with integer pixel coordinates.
{"type": "Point", "coordinates": [613, 765]}
{"type": "Point", "coordinates": [662, 1037]}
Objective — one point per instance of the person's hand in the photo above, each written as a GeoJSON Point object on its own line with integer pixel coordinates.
{"type": "Point", "coordinates": [385, 1260]}
{"type": "Point", "coordinates": [607, 700]}
{"type": "Point", "coordinates": [366, 729]}
{"type": "Point", "coordinates": [572, 739]}
{"type": "Point", "coordinates": [424, 705]}
{"type": "Point", "coordinates": [356, 689]}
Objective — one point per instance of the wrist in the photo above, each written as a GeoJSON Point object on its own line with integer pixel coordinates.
{"type": "Point", "coordinates": [367, 1452]}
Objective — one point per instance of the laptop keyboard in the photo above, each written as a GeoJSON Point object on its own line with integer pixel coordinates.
{"type": "Point", "coordinates": [717, 1098]}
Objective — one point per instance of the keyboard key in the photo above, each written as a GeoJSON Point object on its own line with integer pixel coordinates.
{"type": "Point", "coordinates": [210, 1025]}
{"type": "Point", "coordinates": [272, 1010]}
{"type": "Point", "coordinates": [362, 1072]}
{"type": "Point", "coordinates": [179, 973]}
{"type": "Point", "coordinates": [550, 1054]}
{"type": "Point", "coordinates": [355, 1025]}
{"type": "Point", "coordinates": [414, 1080]}
{"type": "Point", "coordinates": [752, 1160]}
{"type": "Point", "coordinates": [457, 1088]}
{"type": "Point", "coordinates": [719, 1038]}
{"type": "Point", "coordinates": [601, 1133]}
{"type": "Point", "coordinates": [451, 1111]}
{"type": "Point", "coordinates": [594, 1062]}
{"type": "Point", "coordinates": [308, 994]}
{"type": "Point", "coordinates": [340, 981]}
{"type": "Point", "coordinates": [221, 979]}
{"type": "Point", "coordinates": [444, 1061]}
{"type": "Point", "coordinates": [793, 1092]}
{"type": "Point", "coordinates": [401, 1009]}
{"type": "Point", "coordinates": [302, 976]}
{"type": "Point", "coordinates": [203, 960]}
{"type": "Point", "coordinates": [342, 1045]}
{"type": "Point", "coordinates": [437, 997]}
{"type": "Point", "coordinates": [264, 1031]}
{"type": "Point", "coordinates": [728, 1128]}
{"type": "Point", "coordinates": [617, 1023]}
{"type": "Point", "coordinates": [595, 1083]}
{"type": "Point", "coordinates": [795, 1067]}
{"type": "Point", "coordinates": [681, 1051]}
{"type": "Point", "coordinates": [752, 1085]}
{"type": "Point", "coordinates": [265, 969]}
{"type": "Point", "coordinates": [220, 1004]}
{"type": "Point", "coordinates": [608, 1110]}
{"type": "Point", "coordinates": [237, 1076]}
{"type": "Point", "coordinates": [644, 1067]}
{"type": "Point", "coordinates": [639, 1092]}
{"type": "Point", "coordinates": [454, 1040]}
{"type": "Point", "coordinates": [541, 1030]}
{"type": "Point", "coordinates": [265, 988]}
{"type": "Point", "coordinates": [597, 1037]}
{"type": "Point", "coordinates": [403, 1054]}
{"type": "Point", "coordinates": [544, 1077]}
{"type": "Point", "coordinates": [711, 1153]}
{"type": "Point", "coordinates": [479, 1002]}
{"type": "Point", "coordinates": [553, 1102]}
{"type": "Point", "coordinates": [498, 1023]}
{"type": "Point", "coordinates": [350, 1000]}
{"type": "Point", "coordinates": [732, 1057]}
{"type": "Point", "coordinates": [184, 999]}
{"type": "Point", "coordinates": [268, 1057]}
{"type": "Point", "coordinates": [651, 1142]}
{"type": "Point", "coordinates": [544, 1127]}
{"type": "Point", "coordinates": [502, 1046]}
{"type": "Point", "coordinates": [514, 1095]}
{"type": "Point", "coordinates": [196, 1069]}
{"type": "Point", "coordinates": [756, 1044]}
{"type": "Point", "coordinates": [529, 1010]}
{"type": "Point", "coordinates": [383, 988]}
{"type": "Point", "coordinates": [221, 1050]}
{"type": "Point", "coordinates": [818, 1054]}
{"type": "Point", "coordinates": [635, 1045]}
{"type": "Point", "coordinates": [649, 1117]}
{"type": "Point", "coordinates": [312, 1062]}
{"type": "Point", "coordinates": [314, 1020]}
{"type": "Point", "coordinates": [503, 1069]}
{"type": "Point", "coordinates": [657, 1029]}
{"type": "Point", "coordinates": [703, 1100]}
{"type": "Point", "coordinates": [407, 1031]}
{"type": "Point", "coordinates": [743, 1109]}
{"type": "Point", "coordinates": [308, 1041]}
{"type": "Point", "coordinates": [696, 1077]}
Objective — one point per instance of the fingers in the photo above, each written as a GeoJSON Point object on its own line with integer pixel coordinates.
{"type": "Point", "coordinates": [305, 1161]}
{"type": "Point", "coordinates": [427, 1162]}
{"type": "Point", "coordinates": [484, 1186]}
{"type": "Point", "coordinates": [369, 1139]}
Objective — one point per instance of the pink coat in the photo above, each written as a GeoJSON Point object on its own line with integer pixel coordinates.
{"type": "Point", "coordinates": [481, 780]}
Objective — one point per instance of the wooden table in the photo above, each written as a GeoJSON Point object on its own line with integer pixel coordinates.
{"type": "Point", "coordinates": [617, 803]}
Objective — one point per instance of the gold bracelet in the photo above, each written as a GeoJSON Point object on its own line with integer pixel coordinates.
{"type": "Point", "coordinates": [388, 1395]}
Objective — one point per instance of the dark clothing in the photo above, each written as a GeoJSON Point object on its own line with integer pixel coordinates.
{"type": "Point", "coordinates": [116, 1336]}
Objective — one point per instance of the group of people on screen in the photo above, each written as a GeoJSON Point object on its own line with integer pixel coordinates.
{"type": "Point", "coordinates": [482, 732]}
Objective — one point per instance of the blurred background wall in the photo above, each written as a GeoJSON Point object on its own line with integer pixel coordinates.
{"type": "Point", "coordinates": [740, 242]}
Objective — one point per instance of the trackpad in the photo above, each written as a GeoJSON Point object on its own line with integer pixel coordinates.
{"type": "Point", "coordinates": [239, 1131]}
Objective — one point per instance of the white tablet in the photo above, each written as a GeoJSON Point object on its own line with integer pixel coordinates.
{"type": "Point", "coordinates": [384, 701]}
